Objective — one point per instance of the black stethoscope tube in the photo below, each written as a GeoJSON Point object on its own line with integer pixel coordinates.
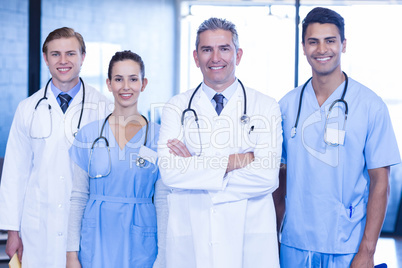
{"type": "Point", "coordinates": [244, 118]}
{"type": "Point", "coordinates": [293, 131]}
{"type": "Point", "coordinates": [82, 104]}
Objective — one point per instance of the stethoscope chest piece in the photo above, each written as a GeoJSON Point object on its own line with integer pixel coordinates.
{"type": "Point", "coordinates": [140, 162]}
{"type": "Point", "coordinates": [293, 132]}
{"type": "Point", "coordinates": [245, 119]}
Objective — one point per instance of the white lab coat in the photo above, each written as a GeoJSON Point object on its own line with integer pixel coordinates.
{"type": "Point", "coordinates": [217, 220]}
{"type": "Point", "coordinates": [37, 176]}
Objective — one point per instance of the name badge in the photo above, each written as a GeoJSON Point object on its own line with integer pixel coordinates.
{"type": "Point", "coordinates": [335, 136]}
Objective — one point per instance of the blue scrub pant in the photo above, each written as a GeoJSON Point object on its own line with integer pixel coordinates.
{"type": "Point", "coordinates": [293, 257]}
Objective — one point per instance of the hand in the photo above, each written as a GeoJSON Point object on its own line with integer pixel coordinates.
{"type": "Point", "coordinates": [72, 260]}
{"type": "Point", "coordinates": [178, 148]}
{"type": "Point", "coordinates": [14, 244]}
{"type": "Point", "coordinates": [363, 260]}
{"type": "Point", "coordinates": [237, 161]}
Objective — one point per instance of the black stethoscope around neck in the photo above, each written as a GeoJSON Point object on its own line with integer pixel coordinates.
{"type": "Point", "coordinates": [342, 99]}
{"type": "Point", "coordinates": [140, 162]}
{"type": "Point", "coordinates": [244, 119]}
{"type": "Point", "coordinates": [49, 108]}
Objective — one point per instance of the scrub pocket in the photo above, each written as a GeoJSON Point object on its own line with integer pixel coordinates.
{"type": "Point", "coordinates": [351, 226]}
{"type": "Point", "coordinates": [143, 246]}
{"type": "Point", "coordinates": [87, 242]}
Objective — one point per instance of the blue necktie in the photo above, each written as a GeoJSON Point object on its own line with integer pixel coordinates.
{"type": "Point", "coordinates": [219, 103]}
{"type": "Point", "coordinates": [64, 100]}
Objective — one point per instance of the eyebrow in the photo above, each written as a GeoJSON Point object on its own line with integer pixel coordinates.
{"type": "Point", "coordinates": [326, 38]}
{"type": "Point", "coordinates": [131, 75]}
{"type": "Point", "coordinates": [210, 47]}
{"type": "Point", "coordinates": [57, 51]}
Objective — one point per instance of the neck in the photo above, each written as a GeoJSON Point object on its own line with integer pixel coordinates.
{"type": "Point", "coordinates": [123, 117]}
{"type": "Point", "coordinates": [220, 87]}
{"type": "Point", "coordinates": [325, 85]}
{"type": "Point", "coordinates": [65, 86]}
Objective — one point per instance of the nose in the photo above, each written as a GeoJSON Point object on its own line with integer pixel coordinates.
{"type": "Point", "coordinates": [322, 47]}
{"type": "Point", "coordinates": [216, 56]}
{"type": "Point", "coordinates": [63, 58]}
{"type": "Point", "coordinates": [126, 84]}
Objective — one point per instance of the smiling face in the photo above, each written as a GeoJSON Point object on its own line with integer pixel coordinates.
{"type": "Point", "coordinates": [217, 58]}
{"type": "Point", "coordinates": [323, 47]}
{"type": "Point", "coordinates": [64, 59]}
{"type": "Point", "coordinates": [126, 83]}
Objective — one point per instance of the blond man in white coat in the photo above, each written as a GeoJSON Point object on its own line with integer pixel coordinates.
{"type": "Point", "coordinates": [220, 156]}
{"type": "Point", "coordinates": [37, 176]}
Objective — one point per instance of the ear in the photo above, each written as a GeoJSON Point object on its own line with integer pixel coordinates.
{"type": "Point", "coordinates": [239, 54]}
{"type": "Point", "coordinates": [83, 58]}
{"type": "Point", "coordinates": [304, 49]}
{"type": "Point", "coordinates": [109, 84]}
{"type": "Point", "coordinates": [344, 46]}
{"type": "Point", "coordinates": [45, 58]}
{"type": "Point", "coordinates": [144, 84]}
{"type": "Point", "coordinates": [195, 55]}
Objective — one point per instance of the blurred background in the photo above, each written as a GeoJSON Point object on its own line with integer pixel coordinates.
{"type": "Point", "coordinates": [163, 32]}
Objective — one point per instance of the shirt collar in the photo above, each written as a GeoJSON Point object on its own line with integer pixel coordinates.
{"type": "Point", "coordinates": [72, 92]}
{"type": "Point", "coordinates": [227, 93]}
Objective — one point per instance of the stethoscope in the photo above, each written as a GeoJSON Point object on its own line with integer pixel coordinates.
{"type": "Point", "coordinates": [50, 110]}
{"type": "Point", "coordinates": [293, 131]}
{"type": "Point", "coordinates": [244, 119]}
{"type": "Point", "coordinates": [140, 162]}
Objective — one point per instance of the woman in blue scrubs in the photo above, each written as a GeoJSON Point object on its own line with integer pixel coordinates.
{"type": "Point", "coordinates": [112, 218]}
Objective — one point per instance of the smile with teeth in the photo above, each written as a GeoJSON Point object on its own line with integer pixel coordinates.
{"type": "Point", "coordinates": [324, 59]}
{"type": "Point", "coordinates": [63, 69]}
{"type": "Point", "coordinates": [126, 95]}
{"type": "Point", "coordinates": [217, 67]}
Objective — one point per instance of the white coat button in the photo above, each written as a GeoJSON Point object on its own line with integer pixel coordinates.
{"type": "Point", "coordinates": [60, 206]}
{"type": "Point", "coordinates": [60, 234]}
{"type": "Point", "coordinates": [213, 211]}
{"type": "Point", "coordinates": [62, 178]}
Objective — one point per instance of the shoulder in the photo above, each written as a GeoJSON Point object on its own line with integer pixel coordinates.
{"type": "Point", "coordinates": [183, 97]}
{"type": "Point", "coordinates": [93, 93]}
{"type": "Point", "coordinates": [33, 99]}
{"type": "Point", "coordinates": [154, 128]}
{"type": "Point", "coordinates": [90, 130]}
{"type": "Point", "coordinates": [258, 99]}
{"type": "Point", "coordinates": [362, 95]}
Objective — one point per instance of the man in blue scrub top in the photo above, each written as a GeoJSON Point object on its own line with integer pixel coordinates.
{"type": "Point", "coordinates": [335, 176]}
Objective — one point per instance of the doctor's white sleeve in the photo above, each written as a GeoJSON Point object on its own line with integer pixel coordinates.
{"type": "Point", "coordinates": [260, 177]}
{"type": "Point", "coordinates": [16, 172]}
{"type": "Point", "coordinates": [79, 199]}
{"type": "Point", "coordinates": [185, 172]}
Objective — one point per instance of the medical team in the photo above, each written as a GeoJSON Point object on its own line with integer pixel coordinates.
{"type": "Point", "coordinates": [228, 171]}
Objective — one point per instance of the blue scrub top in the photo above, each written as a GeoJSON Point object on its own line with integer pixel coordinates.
{"type": "Point", "coordinates": [328, 187]}
{"type": "Point", "coordinates": [119, 222]}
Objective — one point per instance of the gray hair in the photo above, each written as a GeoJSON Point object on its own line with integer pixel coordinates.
{"type": "Point", "coordinates": [218, 24]}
